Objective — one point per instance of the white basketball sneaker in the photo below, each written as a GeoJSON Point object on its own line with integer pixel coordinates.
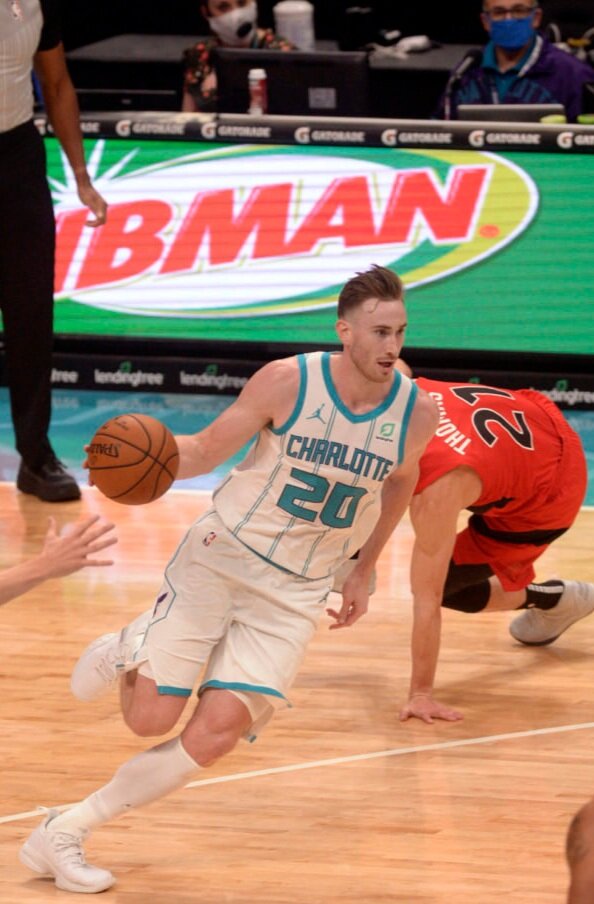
{"type": "Point", "coordinates": [106, 658]}
{"type": "Point", "coordinates": [537, 627]}
{"type": "Point", "coordinates": [50, 852]}
{"type": "Point", "coordinates": [343, 573]}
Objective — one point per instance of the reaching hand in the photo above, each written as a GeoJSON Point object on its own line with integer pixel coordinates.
{"type": "Point", "coordinates": [66, 553]}
{"type": "Point", "coordinates": [424, 707]}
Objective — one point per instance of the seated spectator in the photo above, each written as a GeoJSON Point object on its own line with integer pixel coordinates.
{"type": "Point", "coordinates": [518, 65]}
{"type": "Point", "coordinates": [234, 23]}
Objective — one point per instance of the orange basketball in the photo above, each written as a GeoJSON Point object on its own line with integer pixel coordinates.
{"type": "Point", "coordinates": [133, 458]}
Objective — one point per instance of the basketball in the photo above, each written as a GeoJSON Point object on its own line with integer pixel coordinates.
{"type": "Point", "coordinates": [133, 459]}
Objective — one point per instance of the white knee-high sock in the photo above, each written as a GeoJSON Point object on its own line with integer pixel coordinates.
{"type": "Point", "coordinates": [146, 777]}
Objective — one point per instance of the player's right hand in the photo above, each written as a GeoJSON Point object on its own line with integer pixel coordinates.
{"type": "Point", "coordinates": [355, 600]}
{"type": "Point", "coordinates": [425, 708]}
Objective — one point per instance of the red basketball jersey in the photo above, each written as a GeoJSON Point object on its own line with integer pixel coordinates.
{"type": "Point", "coordinates": [517, 441]}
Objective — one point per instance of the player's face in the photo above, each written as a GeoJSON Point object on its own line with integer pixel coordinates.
{"type": "Point", "coordinates": [373, 336]}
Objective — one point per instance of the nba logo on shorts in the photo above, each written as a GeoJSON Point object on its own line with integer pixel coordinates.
{"type": "Point", "coordinates": [211, 535]}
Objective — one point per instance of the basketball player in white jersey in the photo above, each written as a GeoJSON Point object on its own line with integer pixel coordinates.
{"type": "Point", "coordinates": [332, 470]}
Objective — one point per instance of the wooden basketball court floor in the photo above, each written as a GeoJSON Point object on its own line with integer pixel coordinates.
{"type": "Point", "coordinates": [338, 801]}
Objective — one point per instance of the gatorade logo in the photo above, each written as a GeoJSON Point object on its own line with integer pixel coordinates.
{"type": "Point", "coordinates": [565, 140]}
{"type": "Point", "coordinates": [303, 134]}
{"type": "Point", "coordinates": [123, 128]}
{"type": "Point", "coordinates": [249, 230]}
{"type": "Point", "coordinates": [208, 130]}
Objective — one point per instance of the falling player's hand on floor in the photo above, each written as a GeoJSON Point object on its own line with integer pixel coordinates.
{"type": "Point", "coordinates": [424, 707]}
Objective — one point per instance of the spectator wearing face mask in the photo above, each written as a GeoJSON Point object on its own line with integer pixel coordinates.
{"type": "Point", "coordinates": [518, 65]}
{"type": "Point", "coordinates": [234, 23]}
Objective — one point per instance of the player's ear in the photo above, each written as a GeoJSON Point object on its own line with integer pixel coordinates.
{"type": "Point", "coordinates": [343, 331]}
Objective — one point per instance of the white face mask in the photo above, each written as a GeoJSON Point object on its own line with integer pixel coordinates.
{"type": "Point", "coordinates": [236, 27]}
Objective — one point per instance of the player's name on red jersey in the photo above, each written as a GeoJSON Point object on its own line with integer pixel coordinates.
{"type": "Point", "coordinates": [447, 429]}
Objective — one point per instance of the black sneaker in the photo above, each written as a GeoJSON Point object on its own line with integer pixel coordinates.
{"type": "Point", "coordinates": [50, 482]}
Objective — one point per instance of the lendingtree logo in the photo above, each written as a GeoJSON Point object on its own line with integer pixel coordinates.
{"type": "Point", "coordinates": [243, 231]}
{"type": "Point", "coordinates": [127, 374]}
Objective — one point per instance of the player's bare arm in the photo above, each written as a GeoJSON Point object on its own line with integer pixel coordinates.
{"type": "Point", "coordinates": [61, 555]}
{"type": "Point", "coordinates": [397, 491]}
{"type": "Point", "coordinates": [267, 398]}
{"type": "Point", "coordinates": [434, 515]}
{"type": "Point", "coordinates": [579, 849]}
{"type": "Point", "coordinates": [61, 104]}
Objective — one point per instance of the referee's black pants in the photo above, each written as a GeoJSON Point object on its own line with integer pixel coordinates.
{"type": "Point", "coordinates": [27, 246]}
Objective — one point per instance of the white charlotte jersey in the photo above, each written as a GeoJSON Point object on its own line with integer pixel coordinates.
{"type": "Point", "coordinates": [307, 495]}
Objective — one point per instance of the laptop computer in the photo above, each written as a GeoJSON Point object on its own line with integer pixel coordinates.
{"type": "Point", "coordinates": [509, 112]}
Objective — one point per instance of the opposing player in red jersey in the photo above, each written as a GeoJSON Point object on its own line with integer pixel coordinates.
{"type": "Point", "coordinates": [512, 460]}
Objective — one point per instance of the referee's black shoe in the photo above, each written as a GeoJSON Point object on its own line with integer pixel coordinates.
{"type": "Point", "coordinates": [50, 482]}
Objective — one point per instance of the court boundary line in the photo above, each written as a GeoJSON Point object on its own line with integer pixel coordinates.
{"type": "Point", "coordinates": [343, 761]}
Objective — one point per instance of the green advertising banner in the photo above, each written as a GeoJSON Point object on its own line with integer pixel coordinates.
{"type": "Point", "coordinates": [252, 243]}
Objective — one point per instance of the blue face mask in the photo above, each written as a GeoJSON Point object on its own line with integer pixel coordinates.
{"type": "Point", "coordinates": [511, 34]}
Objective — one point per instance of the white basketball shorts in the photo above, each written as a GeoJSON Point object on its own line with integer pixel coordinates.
{"type": "Point", "coordinates": [223, 606]}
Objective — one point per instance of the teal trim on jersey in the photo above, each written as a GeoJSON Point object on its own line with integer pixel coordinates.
{"type": "Point", "coordinates": [300, 398]}
{"type": "Point", "coordinates": [346, 412]}
{"type": "Point", "coordinates": [240, 686]}
{"type": "Point", "coordinates": [406, 418]}
{"type": "Point", "coordinates": [267, 560]}
{"type": "Point", "coordinates": [174, 691]}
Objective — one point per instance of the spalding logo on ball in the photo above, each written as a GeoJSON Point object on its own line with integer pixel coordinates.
{"type": "Point", "coordinates": [133, 458]}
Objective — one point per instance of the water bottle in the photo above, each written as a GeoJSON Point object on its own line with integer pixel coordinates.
{"type": "Point", "coordinates": [258, 92]}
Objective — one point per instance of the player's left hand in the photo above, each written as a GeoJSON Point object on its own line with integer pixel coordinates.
{"type": "Point", "coordinates": [91, 198]}
{"type": "Point", "coordinates": [355, 601]}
